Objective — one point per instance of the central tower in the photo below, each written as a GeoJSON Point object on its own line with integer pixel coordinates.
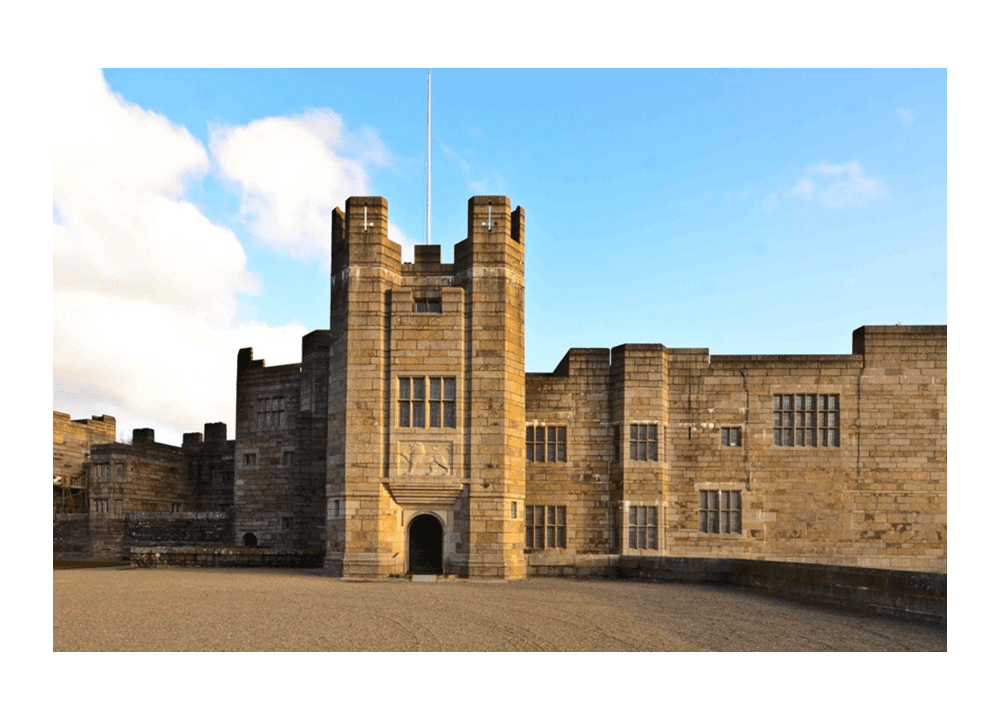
{"type": "Point", "coordinates": [426, 411]}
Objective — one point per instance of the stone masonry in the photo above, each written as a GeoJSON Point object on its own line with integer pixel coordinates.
{"type": "Point", "coordinates": [410, 439]}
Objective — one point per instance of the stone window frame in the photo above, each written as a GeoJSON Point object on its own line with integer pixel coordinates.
{"type": "Point", "coordinates": [545, 527]}
{"type": "Point", "coordinates": [718, 515]}
{"type": "Point", "coordinates": [732, 436]}
{"type": "Point", "coordinates": [643, 526]}
{"type": "Point", "coordinates": [250, 459]}
{"type": "Point", "coordinates": [643, 439]}
{"type": "Point", "coordinates": [439, 412]}
{"type": "Point", "coordinates": [806, 419]}
{"type": "Point", "coordinates": [427, 304]}
{"type": "Point", "coordinates": [271, 412]}
{"type": "Point", "coordinates": [546, 443]}
{"type": "Point", "coordinates": [287, 457]}
{"type": "Point", "coordinates": [119, 469]}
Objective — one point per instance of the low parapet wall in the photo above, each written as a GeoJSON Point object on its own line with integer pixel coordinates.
{"type": "Point", "coordinates": [166, 556]}
{"type": "Point", "coordinates": [897, 593]}
{"type": "Point", "coordinates": [187, 529]}
{"type": "Point", "coordinates": [71, 536]}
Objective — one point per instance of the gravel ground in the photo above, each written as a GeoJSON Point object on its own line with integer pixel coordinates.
{"type": "Point", "coordinates": [120, 609]}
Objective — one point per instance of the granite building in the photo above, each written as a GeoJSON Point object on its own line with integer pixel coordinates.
{"type": "Point", "coordinates": [410, 439]}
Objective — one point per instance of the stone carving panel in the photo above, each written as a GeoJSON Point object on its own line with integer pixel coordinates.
{"type": "Point", "coordinates": [419, 458]}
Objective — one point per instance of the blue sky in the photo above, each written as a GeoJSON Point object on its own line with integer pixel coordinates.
{"type": "Point", "coordinates": [762, 211]}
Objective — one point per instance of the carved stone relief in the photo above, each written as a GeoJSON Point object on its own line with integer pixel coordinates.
{"type": "Point", "coordinates": [424, 458]}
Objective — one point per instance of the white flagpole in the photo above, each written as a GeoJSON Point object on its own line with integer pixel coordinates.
{"type": "Point", "coordinates": [428, 242]}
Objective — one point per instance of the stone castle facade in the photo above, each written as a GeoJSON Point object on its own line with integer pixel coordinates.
{"type": "Point", "coordinates": [410, 439]}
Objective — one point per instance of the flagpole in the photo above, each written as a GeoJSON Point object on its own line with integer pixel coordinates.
{"type": "Point", "coordinates": [428, 242]}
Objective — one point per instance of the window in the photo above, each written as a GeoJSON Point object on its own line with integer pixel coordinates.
{"type": "Point", "coordinates": [102, 506]}
{"type": "Point", "coordinates": [807, 420]}
{"type": "Point", "coordinates": [427, 305]}
{"type": "Point", "coordinates": [545, 444]}
{"type": "Point", "coordinates": [288, 458]}
{"type": "Point", "coordinates": [120, 470]}
{"type": "Point", "coordinates": [732, 437]}
{"type": "Point", "coordinates": [544, 526]}
{"type": "Point", "coordinates": [102, 470]}
{"type": "Point", "coordinates": [720, 511]}
{"type": "Point", "coordinates": [642, 527]}
{"type": "Point", "coordinates": [427, 402]}
{"type": "Point", "coordinates": [270, 413]}
{"type": "Point", "coordinates": [286, 523]}
{"type": "Point", "coordinates": [250, 459]}
{"type": "Point", "coordinates": [175, 507]}
{"type": "Point", "coordinates": [642, 442]}
{"type": "Point", "coordinates": [513, 509]}
{"type": "Point", "coordinates": [616, 444]}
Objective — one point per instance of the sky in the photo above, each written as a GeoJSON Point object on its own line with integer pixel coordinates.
{"type": "Point", "coordinates": [743, 211]}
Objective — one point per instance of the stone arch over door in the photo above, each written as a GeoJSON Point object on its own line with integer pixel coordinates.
{"type": "Point", "coordinates": [425, 545]}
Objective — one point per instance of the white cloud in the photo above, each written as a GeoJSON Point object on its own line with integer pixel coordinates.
{"type": "Point", "coordinates": [144, 286]}
{"type": "Point", "coordinates": [833, 186]}
{"type": "Point", "coordinates": [292, 170]}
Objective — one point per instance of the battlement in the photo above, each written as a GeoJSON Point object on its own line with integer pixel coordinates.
{"type": "Point", "coordinates": [215, 434]}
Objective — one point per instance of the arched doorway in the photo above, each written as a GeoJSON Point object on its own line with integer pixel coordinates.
{"type": "Point", "coordinates": [426, 546]}
{"type": "Point", "coordinates": [249, 540]}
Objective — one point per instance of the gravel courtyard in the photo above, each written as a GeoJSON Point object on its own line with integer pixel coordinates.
{"type": "Point", "coordinates": [121, 609]}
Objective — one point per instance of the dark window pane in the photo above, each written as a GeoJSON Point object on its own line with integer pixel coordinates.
{"type": "Point", "coordinates": [418, 388]}
{"type": "Point", "coordinates": [561, 537]}
{"type": "Point", "coordinates": [551, 515]}
{"type": "Point", "coordinates": [703, 521]}
{"type": "Point", "coordinates": [529, 514]}
{"type": "Point", "coordinates": [642, 451]}
{"type": "Point", "coordinates": [552, 453]}
{"type": "Point", "coordinates": [527, 537]}
{"type": "Point", "coordinates": [435, 414]}
{"type": "Point", "coordinates": [633, 432]}
{"type": "Point", "coordinates": [551, 532]}
{"type": "Point", "coordinates": [404, 414]}
{"type": "Point", "coordinates": [449, 414]}
{"type": "Point", "coordinates": [418, 414]}
{"type": "Point", "coordinates": [561, 515]}
{"type": "Point", "coordinates": [435, 388]}
{"type": "Point", "coordinates": [529, 434]}
{"type": "Point", "coordinates": [652, 433]}
{"type": "Point", "coordinates": [703, 499]}
{"type": "Point", "coordinates": [539, 536]}
{"type": "Point", "coordinates": [777, 437]}
{"type": "Point", "coordinates": [631, 537]}
{"type": "Point", "coordinates": [449, 388]}
{"type": "Point", "coordinates": [404, 388]}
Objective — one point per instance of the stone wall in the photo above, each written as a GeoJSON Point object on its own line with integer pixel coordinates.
{"type": "Point", "coordinates": [71, 442]}
{"type": "Point", "coordinates": [223, 557]}
{"type": "Point", "coordinates": [71, 536]}
{"type": "Point", "coordinates": [266, 495]}
{"type": "Point", "coordinates": [179, 529]}
{"type": "Point", "coordinates": [572, 400]}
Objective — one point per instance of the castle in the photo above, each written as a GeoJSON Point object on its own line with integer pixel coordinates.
{"type": "Point", "coordinates": [410, 439]}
